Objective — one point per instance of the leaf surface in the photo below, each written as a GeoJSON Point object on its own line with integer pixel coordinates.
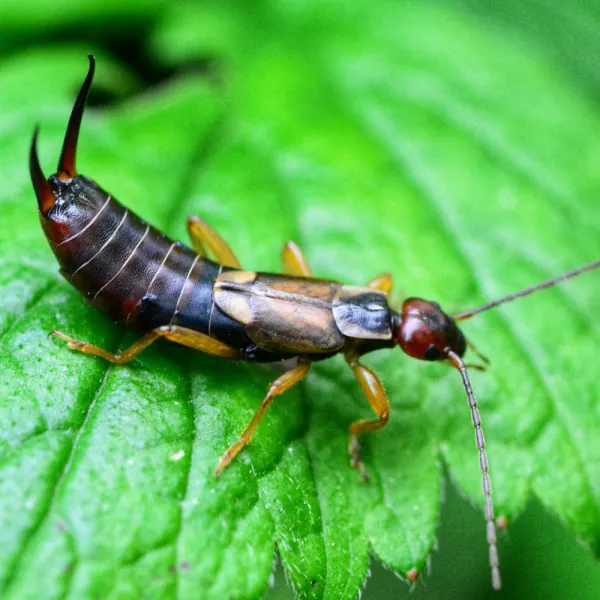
{"type": "Point", "coordinates": [398, 139]}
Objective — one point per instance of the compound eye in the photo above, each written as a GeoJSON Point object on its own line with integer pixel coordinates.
{"type": "Point", "coordinates": [432, 353]}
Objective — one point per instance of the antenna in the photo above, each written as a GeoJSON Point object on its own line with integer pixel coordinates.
{"type": "Point", "coordinates": [467, 314]}
{"type": "Point", "coordinates": [458, 364]}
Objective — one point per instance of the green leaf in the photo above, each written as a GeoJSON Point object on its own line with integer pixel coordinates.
{"type": "Point", "coordinates": [399, 139]}
{"type": "Point", "coordinates": [569, 37]}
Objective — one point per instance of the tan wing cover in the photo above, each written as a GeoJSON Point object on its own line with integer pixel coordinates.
{"type": "Point", "coordinates": [281, 313]}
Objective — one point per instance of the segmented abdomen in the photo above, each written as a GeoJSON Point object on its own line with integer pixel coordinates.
{"type": "Point", "coordinates": [130, 270]}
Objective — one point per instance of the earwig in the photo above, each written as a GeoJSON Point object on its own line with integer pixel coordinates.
{"type": "Point", "coordinates": [162, 289]}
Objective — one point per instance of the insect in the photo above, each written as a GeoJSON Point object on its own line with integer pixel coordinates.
{"type": "Point", "coordinates": [147, 282]}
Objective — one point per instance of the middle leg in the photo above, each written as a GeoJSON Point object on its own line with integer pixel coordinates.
{"type": "Point", "coordinates": [373, 389]}
{"type": "Point", "coordinates": [279, 386]}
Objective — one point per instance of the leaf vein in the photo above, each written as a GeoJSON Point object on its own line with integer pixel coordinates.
{"type": "Point", "coordinates": [33, 302]}
{"type": "Point", "coordinates": [186, 483]}
{"type": "Point", "coordinates": [59, 482]}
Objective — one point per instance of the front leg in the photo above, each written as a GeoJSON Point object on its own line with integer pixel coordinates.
{"type": "Point", "coordinates": [373, 389]}
{"type": "Point", "coordinates": [382, 282]}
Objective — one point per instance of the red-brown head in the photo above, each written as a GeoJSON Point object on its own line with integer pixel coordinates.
{"type": "Point", "coordinates": [426, 332]}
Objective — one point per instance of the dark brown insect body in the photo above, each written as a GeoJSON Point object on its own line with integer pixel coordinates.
{"type": "Point", "coordinates": [144, 280]}
{"type": "Point", "coordinates": [131, 271]}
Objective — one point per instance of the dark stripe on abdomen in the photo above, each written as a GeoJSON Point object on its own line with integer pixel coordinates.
{"type": "Point", "coordinates": [159, 300]}
{"type": "Point", "coordinates": [130, 270]}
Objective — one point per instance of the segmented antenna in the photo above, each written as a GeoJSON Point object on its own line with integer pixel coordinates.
{"type": "Point", "coordinates": [467, 314]}
{"type": "Point", "coordinates": [66, 164]}
{"type": "Point", "coordinates": [458, 363]}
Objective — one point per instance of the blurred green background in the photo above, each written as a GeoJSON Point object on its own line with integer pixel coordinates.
{"type": "Point", "coordinates": [153, 44]}
{"type": "Point", "coordinates": [539, 560]}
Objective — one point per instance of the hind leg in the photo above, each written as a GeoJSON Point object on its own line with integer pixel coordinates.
{"type": "Point", "coordinates": [174, 333]}
{"type": "Point", "coordinates": [204, 237]}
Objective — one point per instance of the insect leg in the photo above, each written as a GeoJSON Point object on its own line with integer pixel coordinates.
{"type": "Point", "coordinates": [279, 386]}
{"type": "Point", "coordinates": [382, 282]}
{"type": "Point", "coordinates": [484, 358]}
{"type": "Point", "coordinates": [202, 234]}
{"type": "Point", "coordinates": [179, 335]}
{"type": "Point", "coordinates": [373, 390]}
{"type": "Point", "coordinates": [294, 261]}
{"type": "Point", "coordinates": [482, 368]}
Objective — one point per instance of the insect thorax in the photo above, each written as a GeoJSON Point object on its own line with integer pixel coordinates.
{"type": "Point", "coordinates": [362, 313]}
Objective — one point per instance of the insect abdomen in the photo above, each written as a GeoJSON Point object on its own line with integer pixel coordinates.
{"type": "Point", "coordinates": [125, 267]}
